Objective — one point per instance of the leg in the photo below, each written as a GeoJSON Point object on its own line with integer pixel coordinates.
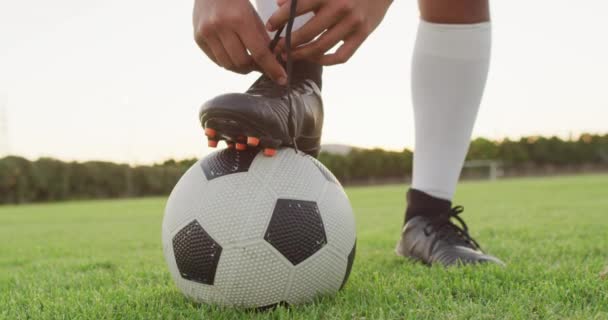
{"type": "Point", "coordinates": [455, 11]}
{"type": "Point", "coordinates": [449, 72]}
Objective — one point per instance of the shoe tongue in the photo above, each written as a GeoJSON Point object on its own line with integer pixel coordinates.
{"type": "Point", "coordinates": [305, 70]}
{"type": "Point", "coordinates": [451, 233]}
{"type": "Point", "coordinates": [302, 70]}
{"type": "Point", "coordinates": [264, 86]}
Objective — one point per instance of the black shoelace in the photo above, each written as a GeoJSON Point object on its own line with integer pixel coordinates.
{"type": "Point", "coordinates": [288, 66]}
{"type": "Point", "coordinates": [449, 231]}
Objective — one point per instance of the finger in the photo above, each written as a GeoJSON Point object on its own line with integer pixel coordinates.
{"type": "Point", "coordinates": [326, 41]}
{"type": "Point", "coordinates": [320, 22]}
{"type": "Point", "coordinates": [281, 16]}
{"type": "Point", "coordinates": [223, 59]}
{"type": "Point", "coordinates": [258, 26]}
{"type": "Point", "coordinates": [207, 51]}
{"type": "Point", "coordinates": [200, 41]}
{"type": "Point", "coordinates": [344, 53]}
{"type": "Point", "coordinates": [257, 43]}
{"type": "Point", "coordinates": [241, 60]}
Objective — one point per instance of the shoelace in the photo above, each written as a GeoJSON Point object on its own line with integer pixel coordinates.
{"type": "Point", "coordinates": [449, 231]}
{"type": "Point", "coordinates": [289, 67]}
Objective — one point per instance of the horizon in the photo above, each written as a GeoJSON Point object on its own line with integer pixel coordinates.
{"type": "Point", "coordinates": [77, 88]}
{"type": "Point", "coordinates": [327, 147]}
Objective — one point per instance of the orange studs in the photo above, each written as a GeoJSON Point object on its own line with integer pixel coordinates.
{"type": "Point", "coordinates": [230, 145]}
{"type": "Point", "coordinates": [212, 143]}
{"type": "Point", "coordinates": [241, 146]}
{"type": "Point", "coordinates": [269, 152]}
{"type": "Point", "coordinates": [253, 141]}
{"type": "Point", "coordinates": [211, 133]}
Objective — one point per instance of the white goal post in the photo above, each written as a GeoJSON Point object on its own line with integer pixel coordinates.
{"type": "Point", "coordinates": [495, 170]}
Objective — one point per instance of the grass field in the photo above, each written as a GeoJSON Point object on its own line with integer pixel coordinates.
{"type": "Point", "coordinates": [103, 259]}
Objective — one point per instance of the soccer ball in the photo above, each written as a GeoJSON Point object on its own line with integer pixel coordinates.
{"type": "Point", "coordinates": [244, 230]}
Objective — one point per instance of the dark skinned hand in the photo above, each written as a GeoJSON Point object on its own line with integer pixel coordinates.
{"type": "Point", "coordinates": [335, 21]}
{"type": "Point", "coordinates": [231, 33]}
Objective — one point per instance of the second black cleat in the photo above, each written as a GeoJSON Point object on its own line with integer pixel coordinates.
{"type": "Point", "coordinates": [261, 117]}
{"type": "Point", "coordinates": [434, 239]}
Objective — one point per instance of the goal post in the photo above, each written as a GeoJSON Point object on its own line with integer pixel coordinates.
{"type": "Point", "coordinates": [493, 168]}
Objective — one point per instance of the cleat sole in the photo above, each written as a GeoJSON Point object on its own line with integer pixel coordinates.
{"type": "Point", "coordinates": [235, 128]}
{"type": "Point", "coordinates": [242, 137]}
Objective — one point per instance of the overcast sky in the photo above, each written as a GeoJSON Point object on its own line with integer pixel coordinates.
{"type": "Point", "coordinates": [123, 80]}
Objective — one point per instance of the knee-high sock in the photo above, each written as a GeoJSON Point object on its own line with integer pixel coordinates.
{"type": "Point", "coordinates": [267, 7]}
{"type": "Point", "coordinates": [449, 72]}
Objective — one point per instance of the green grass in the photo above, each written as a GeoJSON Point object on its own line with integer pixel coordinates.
{"type": "Point", "coordinates": [103, 259]}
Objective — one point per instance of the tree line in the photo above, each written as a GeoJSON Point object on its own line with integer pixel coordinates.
{"type": "Point", "coordinates": [46, 179]}
{"type": "Point", "coordinates": [527, 152]}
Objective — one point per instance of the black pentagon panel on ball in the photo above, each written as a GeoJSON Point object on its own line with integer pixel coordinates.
{"type": "Point", "coordinates": [196, 254]}
{"type": "Point", "coordinates": [296, 229]}
{"type": "Point", "coordinates": [349, 265]}
{"type": "Point", "coordinates": [227, 161]}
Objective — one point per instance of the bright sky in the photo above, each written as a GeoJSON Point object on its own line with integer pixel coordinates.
{"type": "Point", "coordinates": [123, 80]}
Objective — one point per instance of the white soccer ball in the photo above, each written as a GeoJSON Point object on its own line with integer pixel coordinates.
{"type": "Point", "coordinates": [244, 230]}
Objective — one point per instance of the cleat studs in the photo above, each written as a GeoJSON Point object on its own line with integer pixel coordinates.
{"type": "Point", "coordinates": [230, 145]}
{"type": "Point", "coordinates": [253, 141]}
{"type": "Point", "coordinates": [269, 152]}
{"type": "Point", "coordinates": [212, 143]}
{"type": "Point", "coordinates": [241, 146]}
{"type": "Point", "coordinates": [211, 133]}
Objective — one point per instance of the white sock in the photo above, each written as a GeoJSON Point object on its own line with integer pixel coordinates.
{"type": "Point", "coordinates": [267, 7]}
{"type": "Point", "coordinates": [449, 72]}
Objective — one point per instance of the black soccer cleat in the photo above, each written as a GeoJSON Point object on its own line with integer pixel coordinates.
{"type": "Point", "coordinates": [435, 239]}
{"type": "Point", "coordinates": [263, 118]}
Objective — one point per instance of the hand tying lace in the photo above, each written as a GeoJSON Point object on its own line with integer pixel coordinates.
{"type": "Point", "coordinates": [289, 66]}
